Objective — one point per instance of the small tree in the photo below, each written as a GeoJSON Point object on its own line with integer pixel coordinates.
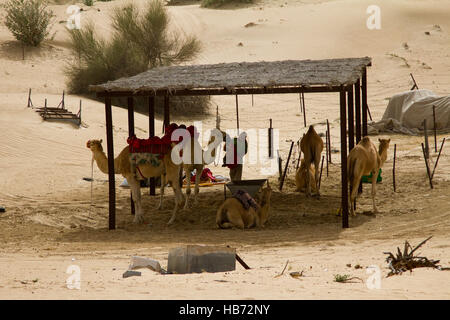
{"type": "Point", "coordinates": [28, 20]}
{"type": "Point", "coordinates": [141, 39]}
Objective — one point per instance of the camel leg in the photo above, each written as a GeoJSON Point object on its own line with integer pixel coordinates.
{"type": "Point", "coordinates": [316, 175]}
{"type": "Point", "coordinates": [236, 220]}
{"type": "Point", "coordinates": [175, 182]}
{"type": "Point", "coordinates": [188, 187]}
{"type": "Point", "coordinates": [198, 175]}
{"type": "Point", "coordinates": [374, 184]}
{"type": "Point", "coordinates": [353, 194]}
{"type": "Point", "coordinates": [136, 193]}
{"type": "Point", "coordinates": [308, 179]}
{"type": "Point", "coordinates": [161, 196]}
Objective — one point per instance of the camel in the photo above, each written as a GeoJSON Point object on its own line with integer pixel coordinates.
{"type": "Point", "coordinates": [189, 167]}
{"type": "Point", "coordinates": [300, 177]}
{"type": "Point", "coordinates": [232, 212]}
{"type": "Point", "coordinates": [122, 165]}
{"type": "Point", "coordinates": [364, 159]}
{"type": "Point", "coordinates": [312, 145]}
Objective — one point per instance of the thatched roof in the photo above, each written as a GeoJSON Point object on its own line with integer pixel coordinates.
{"type": "Point", "coordinates": [243, 75]}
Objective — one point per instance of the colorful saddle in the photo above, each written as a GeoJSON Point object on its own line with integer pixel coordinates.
{"type": "Point", "coordinates": [246, 200]}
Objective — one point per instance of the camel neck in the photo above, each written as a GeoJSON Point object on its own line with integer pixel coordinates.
{"type": "Point", "coordinates": [101, 160]}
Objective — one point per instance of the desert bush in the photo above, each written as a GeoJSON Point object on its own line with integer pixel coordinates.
{"type": "Point", "coordinates": [220, 3]}
{"type": "Point", "coordinates": [140, 40]}
{"type": "Point", "coordinates": [88, 3]}
{"type": "Point", "coordinates": [28, 20]}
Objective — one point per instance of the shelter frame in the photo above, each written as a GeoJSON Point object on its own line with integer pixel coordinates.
{"type": "Point", "coordinates": [352, 105]}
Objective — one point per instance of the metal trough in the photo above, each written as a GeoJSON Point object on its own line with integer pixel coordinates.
{"type": "Point", "coordinates": [250, 186]}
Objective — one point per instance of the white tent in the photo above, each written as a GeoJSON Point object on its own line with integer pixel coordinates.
{"type": "Point", "coordinates": [406, 112]}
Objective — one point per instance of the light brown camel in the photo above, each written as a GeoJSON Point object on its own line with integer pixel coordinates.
{"type": "Point", "coordinates": [189, 166]}
{"type": "Point", "coordinates": [363, 160]}
{"type": "Point", "coordinates": [232, 212]}
{"type": "Point", "coordinates": [312, 145]}
{"type": "Point", "coordinates": [300, 177]}
{"type": "Point", "coordinates": [122, 165]}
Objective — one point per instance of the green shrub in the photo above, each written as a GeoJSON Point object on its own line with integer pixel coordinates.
{"type": "Point", "coordinates": [140, 40]}
{"type": "Point", "coordinates": [28, 20]}
{"type": "Point", "coordinates": [220, 3]}
{"type": "Point", "coordinates": [88, 3]}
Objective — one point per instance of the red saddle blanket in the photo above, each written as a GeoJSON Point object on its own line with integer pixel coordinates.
{"type": "Point", "coordinates": [206, 176]}
{"type": "Point", "coordinates": [157, 145]}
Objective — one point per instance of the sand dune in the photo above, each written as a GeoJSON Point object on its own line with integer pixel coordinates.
{"type": "Point", "coordinates": [51, 215]}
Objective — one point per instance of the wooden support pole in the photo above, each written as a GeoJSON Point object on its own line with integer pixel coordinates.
{"type": "Point", "coordinates": [425, 135]}
{"type": "Point", "coordinates": [130, 101]}
{"type": "Point", "coordinates": [428, 167]}
{"type": "Point", "coordinates": [111, 177]}
{"type": "Point", "coordinates": [304, 108]}
{"type": "Point", "coordinates": [321, 167]}
{"type": "Point", "coordinates": [351, 125]}
{"type": "Point", "coordinates": [237, 114]}
{"type": "Point", "coordinates": [329, 142]}
{"type": "Point", "coordinates": [435, 129]}
{"type": "Point", "coordinates": [130, 108]}
{"type": "Point", "coordinates": [326, 149]}
{"type": "Point", "coordinates": [415, 86]}
{"type": "Point", "coordinates": [166, 112]}
{"type": "Point", "coordinates": [393, 167]}
{"type": "Point", "coordinates": [151, 133]}
{"type": "Point", "coordinates": [364, 102]}
{"type": "Point", "coordinates": [344, 181]}
{"type": "Point", "coordinates": [270, 139]}
{"type": "Point", "coordinates": [286, 166]}
{"type": "Point", "coordinates": [358, 111]}
{"type": "Point", "coordinates": [280, 164]}
{"type": "Point", "coordinates": [437, 159]}
{"type": "Point", "coordinates": [30, 104]}
{"type": "Point", "coordinates": [368, 111]}
{"type": "Point", "coordinates": [300, 102]}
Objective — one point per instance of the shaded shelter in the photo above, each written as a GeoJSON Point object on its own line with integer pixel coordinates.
{"type": "Point", "coordinates": [348, 77]}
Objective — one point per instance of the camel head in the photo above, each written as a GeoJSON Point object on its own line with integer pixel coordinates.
{"type": "Point", "coordinates": [95, 145]}
{"type": "Point", "coordinates": [382, 149]}
{"type": "Point", "coordinates": [263, 212]}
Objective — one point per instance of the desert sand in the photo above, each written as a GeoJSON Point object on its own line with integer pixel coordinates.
{"type": "Point", "coordinates": [52, 218]}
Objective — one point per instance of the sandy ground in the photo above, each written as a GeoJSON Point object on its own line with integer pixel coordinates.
{"type": "Point", "coordinates": [52, 217]}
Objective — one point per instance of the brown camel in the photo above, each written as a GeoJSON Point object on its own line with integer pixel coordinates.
{"type": "Point", "coordinates": [300, 177]}
{"type": "Point", "coordinates": [312, 145]}
{"type": "Point", "coordinates": [232, 212]}
{"type": "Point", "coordinates": [122, 165]}
{"type": "Point", "coordinates": [363, 160]}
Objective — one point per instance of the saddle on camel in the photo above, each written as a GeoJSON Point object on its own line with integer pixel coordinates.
{"type": "Point", "coordinates": [142, 159]}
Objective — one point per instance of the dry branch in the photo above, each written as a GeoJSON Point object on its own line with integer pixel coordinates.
{"type": "Point", "coordinates": [404, 261]}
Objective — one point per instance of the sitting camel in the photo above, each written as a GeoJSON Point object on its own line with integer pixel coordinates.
{"type": "Point", "coordinates": [300, 177]}
{"type": "Point", "coordinates": [312, 145]}
{"type": "Point", "coordinates": [233, 213]}
{"type": "Point", "coordinates": [363, 160]}
{"type": "Point", "coordinates": [122, 165]}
